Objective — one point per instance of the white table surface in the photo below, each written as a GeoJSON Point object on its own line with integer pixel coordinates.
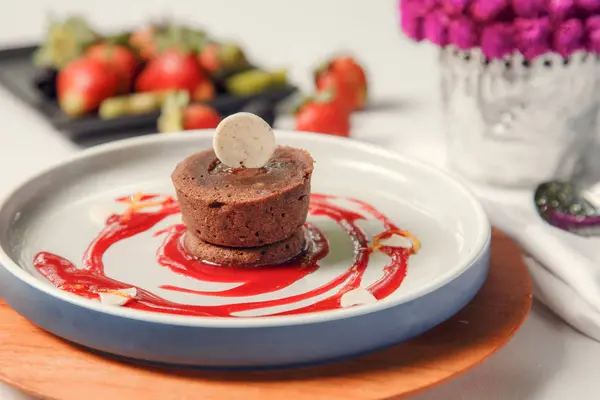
{"type": "Point", "coordinates": [546, 360]}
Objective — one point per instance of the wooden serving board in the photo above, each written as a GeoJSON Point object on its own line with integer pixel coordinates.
{"type": "Point", "coordinates": [48, 367]}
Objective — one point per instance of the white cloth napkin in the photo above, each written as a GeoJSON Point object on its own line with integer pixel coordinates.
{"type": "Point", "coordinates": [565, 268]}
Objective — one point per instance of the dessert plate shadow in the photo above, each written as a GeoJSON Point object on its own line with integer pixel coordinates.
{"type": "Point", "coordinates": [62, 209]}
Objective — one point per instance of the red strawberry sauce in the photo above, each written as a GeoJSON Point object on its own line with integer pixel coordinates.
{"type": "Point", "coordinates": [90, 279]}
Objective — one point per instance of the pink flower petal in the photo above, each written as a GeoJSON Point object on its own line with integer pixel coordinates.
{"type": "Point", "coordinates": [561, 9]}
{"type": "Point", "coordinates": [568, 38]}
{"type": "Point", "coordinates": [419, 7]}
{"type": "Point", "coordinates": [592, 26]}
{"type": "Point", "coordinates": [435, 28]}
{"type": "Point", "coordinates": [529, 8]}
{"type": "Point", "coordinates": [589, 5]}
{"type": "Point", "coordinates": [497, 40]}
{"type": "Point", "coordinates": [411, 23]}
{"type": "Point", "coordinates": [431, 4]}
{"type": "Point", "coordinates": [462, 33]}
{"type": "Point", "coordinates": [532, 36]}
{"type": "Point", "coordinates": [592, 23]}
{"type": "Point", "coordinates": [487, 10]}
{"type": "Point", "coordinates": [594, 41]}
{"type": "Point", "coordinates": [455, 7]}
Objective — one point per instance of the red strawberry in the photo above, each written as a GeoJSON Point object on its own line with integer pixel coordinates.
{"type": "Point", "coordinates": [171, 70]}
{"type": "Point", "coordinates": [323, 117]}
{"type": "Point", "coordinates": [120, 58]}
{"type": "Point", "coordinates": [83, 84]}
{"type": "Point", "coordinates": [217, 58]}
{"type": "Point", "coordinates": [178, 114]}
{"type": "Point", "coordinates": [209, 58]}
{"type": "Point", "coordinates": [330, 90]}
{"type": "Point", "coordinates": [348, 73]}
{"type": "Point", "coordinates": [204, 92]}
{"type": "Point", "coordinates": [144, 41]}
{"type": "Point", "coordinates": [199, 116]}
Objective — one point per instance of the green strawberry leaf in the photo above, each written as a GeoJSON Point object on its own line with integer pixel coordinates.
{"type": "Point", "coordinates": [120, 39]}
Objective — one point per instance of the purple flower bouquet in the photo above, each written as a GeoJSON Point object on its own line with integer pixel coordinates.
{"type": "Point", "coordinates": [519, 83]}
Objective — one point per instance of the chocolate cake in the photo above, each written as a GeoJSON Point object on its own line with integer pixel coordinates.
{"type": "Point", "coordinates": [244, 208]}
{"type": "Point", "coordinates": [275, 253]}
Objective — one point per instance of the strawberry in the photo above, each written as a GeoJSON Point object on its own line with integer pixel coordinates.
{"type": "Point", "coordinates": [208, 58]}
{"type": "Point", "coordinates": [323, 117]}
{"type": "Point", "coordinates": [171, 70]}
{"type": "Point", "coordinates": [178, 114]}
{"type": "Point", "coordinates": [205, 91]}
{"type": "Point", "coordinates": [122, 59]}
{"type": "Point", "coordinates": [83, 84]}
{"type": "Point", "coordinates": [218, 58]}
{"type": "Point", "coordinates": [144, 42]}
{"type": "Point", "coordinates": [330, 90]}
{"type": "Point", "coordinates": [199, 116]}
{"type": "Point", "coordinates": [349, 74]}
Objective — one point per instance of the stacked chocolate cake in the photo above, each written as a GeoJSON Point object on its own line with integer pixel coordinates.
{"type": "Point", "coordinates": [245, 216]}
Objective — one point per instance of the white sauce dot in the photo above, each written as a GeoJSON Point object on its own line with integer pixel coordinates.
{"type": "Point", "coordinates": [117, 298]}
{"type": "Point", "coordinates": [357, 297]}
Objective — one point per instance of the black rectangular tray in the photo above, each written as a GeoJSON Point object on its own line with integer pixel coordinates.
{"type": "Point", "coordinates": [17, 75]}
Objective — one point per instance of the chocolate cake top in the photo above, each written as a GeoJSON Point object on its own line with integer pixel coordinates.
{"type": "Point", "coordinates": [203, 176]}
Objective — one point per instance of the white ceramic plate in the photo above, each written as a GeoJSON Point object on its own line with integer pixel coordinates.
{"type": "Point", "coordinates": [63, 209]}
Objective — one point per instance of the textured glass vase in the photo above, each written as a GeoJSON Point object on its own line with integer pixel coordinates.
{"type": "Point", "coordinates": [516, 123]}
